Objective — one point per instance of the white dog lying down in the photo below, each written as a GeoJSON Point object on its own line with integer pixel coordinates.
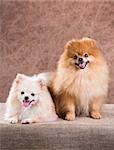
{"type": "Point", "coordinates": [29, 101]}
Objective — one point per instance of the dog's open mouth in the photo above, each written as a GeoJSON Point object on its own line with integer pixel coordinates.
{"type": "Point", "coordinates": [82, 65]}
{"type": "Point", "coordinates": [26, 103]}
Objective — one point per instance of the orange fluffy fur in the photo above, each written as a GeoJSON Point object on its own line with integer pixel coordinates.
{"type": "Point", "coordinates": [76, 91]}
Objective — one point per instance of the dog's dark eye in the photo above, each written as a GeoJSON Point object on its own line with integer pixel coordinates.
{"type": "Point", "coordinates": [75, 57]}
{"type": "Point", "coordinates": [32, 94]}
{"type": "Point", "coordinates": [86, 55]}
{"type": "Point", "coordinates": [22, 93]}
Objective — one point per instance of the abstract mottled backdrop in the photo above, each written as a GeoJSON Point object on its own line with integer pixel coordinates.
{"type": "Point", "coordinates": [34, 32]}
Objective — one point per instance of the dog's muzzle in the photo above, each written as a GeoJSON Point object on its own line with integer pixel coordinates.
{"type": "Point", "coordinates": [81, 63]}
{"type": "Point", "coordinates": [26, 103]}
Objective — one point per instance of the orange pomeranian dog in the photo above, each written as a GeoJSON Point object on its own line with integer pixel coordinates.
{"type": "Point", "coordinates": [80, 83]}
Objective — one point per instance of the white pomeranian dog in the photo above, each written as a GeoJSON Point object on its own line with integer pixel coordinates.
{"type": "Point", "coordinates": [29, 101]}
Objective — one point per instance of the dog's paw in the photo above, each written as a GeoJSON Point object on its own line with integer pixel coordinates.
{"type": "Point", "coordinates": [70, 116]}
{"type": "Point", "coordinates": [26, 121]}
{"type": "Point", "coordinates": [13, 120]}
{"type": "Point", "coordinates": [95, 115]}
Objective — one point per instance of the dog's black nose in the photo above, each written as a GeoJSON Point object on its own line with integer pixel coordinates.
{"type": "Point", "coordinates": [26, 97]}
{"type": "Point", "coordinates": [80, 60]}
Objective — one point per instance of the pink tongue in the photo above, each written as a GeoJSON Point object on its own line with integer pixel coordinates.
{"type": "Point", "coordinates": [82, 65]}
{"type": "Point", "coordinates": [26, 104]}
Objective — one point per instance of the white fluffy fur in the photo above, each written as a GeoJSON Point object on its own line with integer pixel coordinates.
{"type": "Point", "coordinates": [42, 109]}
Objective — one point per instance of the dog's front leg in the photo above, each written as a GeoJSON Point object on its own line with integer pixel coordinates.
{"type": "Point", "coordinates": [95, 107]}
{"type": "Point", "coordinates": [13, 107]}
{"type": "Point", "coordinates": [31, 120]}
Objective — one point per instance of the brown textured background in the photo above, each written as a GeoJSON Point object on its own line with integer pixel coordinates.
{"type": "Point", "coordinates": [34, 32]}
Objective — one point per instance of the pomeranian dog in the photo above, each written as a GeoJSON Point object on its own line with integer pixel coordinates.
{"type": "Point", "coordinates": [29, 101]}
{"type": "Point", "coordinates": [80, 84]}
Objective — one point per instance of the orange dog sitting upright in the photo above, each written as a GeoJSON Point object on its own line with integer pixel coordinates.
{"type": "Point", "coordinates": [80, 83]}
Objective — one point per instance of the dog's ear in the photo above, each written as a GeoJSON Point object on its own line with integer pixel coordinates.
{"type": "Point", "coordinates": [92, 42]}
{"type": "Point", "coordinates": [70, 44]}
{"type": "Point", "coordinates": [19, 78]}
{"type": "Point", "coordinates": [42, 84]}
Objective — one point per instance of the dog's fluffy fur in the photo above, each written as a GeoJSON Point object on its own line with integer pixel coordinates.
{"type": "Point", "coordinates": [29, 101]}
{"type": "Point", "coordinates": [80, 85]}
